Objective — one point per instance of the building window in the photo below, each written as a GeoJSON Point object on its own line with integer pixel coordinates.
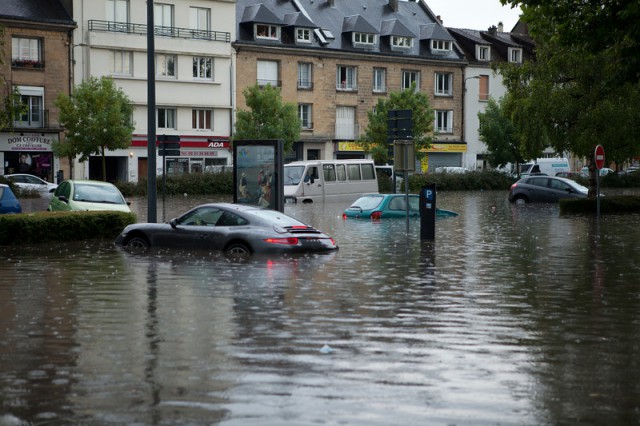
{"type": "Point", "coordinates": [201, 119]}
{"type": "Point", "coordinates": [409, 78]}
{"type": "Point", "coordinates": [303, 35]}
{"type": "Point", "coordinates": [166, 118]}
{"type": "Point", "coordinates": [444, 84]}
{"type": "Point", "coordinates": [121, 64]}
{"type": "Point", "coordinates": [346, 127]}
{"type": "Point", "coordinates": [166, 65]}
{"type": "Point", "coordinates": [364, 39]}
{"type": "Point", "coordinates": [118, 11]}
{"type": "Point", "coordinates": [32, 98]}
{"type": "Point", "coordinates": [379, 80]}
{"type": "Point", "coordinates": [268, 73]}
{"type": "Point", "coordinates": [444, 121]}
{"type": "Point", "coordinates": [515, 55]}
{"type": "Point", "coordinates": [202, 68]}
{"type": "Point", "coordinates": [199, 19]}
{"type": "Point", "coordinates": [163, 19]}
{"type": "Point", "coordinates": [483, 53]}
{"type": "Point", "coordinates": [399, 42]}
{"type": "Point", "coordinates": [304, 113]}
{"type": "Point", "coordinates": [441, 45]}
{"type": "Point", "coordinates": [26, 52]}
{"type": "Point", "coordinates": [264, 31]}
{"type": "Point", "coordinates": [304, 75]}
{"type": "Point", "coordinates": [346, 78]}
{"type": "Point", "coordinates": [483, 94]}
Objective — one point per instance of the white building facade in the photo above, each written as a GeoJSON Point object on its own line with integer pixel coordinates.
{"type": "Point", "coordinates": [194, 79]}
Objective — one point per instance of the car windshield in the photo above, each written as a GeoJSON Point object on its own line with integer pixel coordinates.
{"type": "Point", "coordinates": [367, 203]}
{"type": "Point", "coordinates": [293, 174]}
{"type": "Point", "coordinates": [97, 194]}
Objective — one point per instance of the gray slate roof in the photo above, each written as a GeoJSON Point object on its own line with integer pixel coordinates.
{"type": "Point", "coordinates": [47, 11]}
{"type": "Point", "coordinates": [412, 19]}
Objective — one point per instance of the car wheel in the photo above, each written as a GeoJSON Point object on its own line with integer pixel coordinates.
{"type": "Point", "coordinates": [520, 201]}
{"type": "Point", "coordinates": [238, 249]}
{"type": "Point", "coordinates": [138, 244]}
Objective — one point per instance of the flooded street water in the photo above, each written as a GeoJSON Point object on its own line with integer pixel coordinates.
{"type": "Point", "coordinates": [513, 316]}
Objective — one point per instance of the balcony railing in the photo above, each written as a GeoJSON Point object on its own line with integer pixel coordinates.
{"type": "Point", "coordinates": [34, 119]}
{"type": "Point", "coordinates": [27, 63]}
{"type": "Point", "coordinates": [263, 82]}
{"type": "Point", "coordinates": [175, 32]}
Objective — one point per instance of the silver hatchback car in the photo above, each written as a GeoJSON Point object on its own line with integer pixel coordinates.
{"type": "Point", "coordinates": [545, 189]}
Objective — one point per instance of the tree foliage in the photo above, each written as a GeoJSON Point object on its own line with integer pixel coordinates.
{"type": "Point", "coordinates": [582, 88]}
{"type": "Point", "coordinates": [375, 137]}
{"type": "Point", "coordinates": [97, 117]}
{"type": "Point", "coordinates": [268, 117]}
{"type": "Point", "coordinates": [499, 135]}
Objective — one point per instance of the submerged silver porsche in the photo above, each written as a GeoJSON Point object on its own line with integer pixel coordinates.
{"type": "Point", "coordinates": [231, 228]}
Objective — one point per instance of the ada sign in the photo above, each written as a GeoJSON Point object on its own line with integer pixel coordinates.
{"type": "Point", "coordinates": [599, 156]}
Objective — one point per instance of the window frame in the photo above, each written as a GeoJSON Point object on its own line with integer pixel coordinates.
{"type": "Point", "coordinates": [517, 51]}
{"type": "Point", "coordinates": [32, 52]}
{"type": "Point", "coordinates": [442, 79]}
{"type": "Point", "coordinates": [414, 75]}
{"type": "Point", "coordinates": [34, 116]}
{"type": "Point", "coordinates": [260, 72]}
{"type": "Point", "coordinates": [202, 119]}
{"type": "Point", "coordinates": [379, 76]}
{"type": "Point", "coordinates": [197, 67]}
{"type": "Point", "coordinates": [401, 42]}
{"type": "Point", "coordinates": [302, 82]}
{"type": "Point", "coordinates": [171, 115]}
{"type": "Point", "coordinates": [447, 116]}
{"type": "Point", "coordinates": [483, 96]}
{"type": "Point", "coordinates": [479, 53]}
{"type": "Point", "coordinates": [273, 32]}
{"type": "Point", "coordinates": [163, 68]}
{"type": "Point", "coordinates": [306, 35]}
{"type": "Point", "coordinates": [122, 63]}
{"type": "Point", "coordinates": [162, 11]}
{"type": "Point", "coordinates": [363, 39]}
{"type": "Point", "coordinates": [195, 19]}
{"type": "Point", "coordinates": [441, 45]}
{"type": "Point", "coordinates": [305, 109]}
{"type": "Point", "coordinates": [114, 11]}
{"type": "Point", "coordinates": [350, 81]}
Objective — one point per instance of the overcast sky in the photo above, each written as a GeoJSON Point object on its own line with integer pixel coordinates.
{"type": "Point", "coordinates": [474, 14]}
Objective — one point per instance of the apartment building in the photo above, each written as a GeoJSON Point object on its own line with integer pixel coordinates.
{"type": "Point", "coordinates": [336, 58]}
{"type": "Point", "coordinates": [483, 50]}
{"type": "Point", "coordinates": [194, 72]}
{"type": "Point", "coordinates": [35, 56]}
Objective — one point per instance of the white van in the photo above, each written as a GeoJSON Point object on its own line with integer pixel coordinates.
{"type": "Point", "coordinates": [320, 180]}
{"type": "Point", "coordinates": [548, 166]}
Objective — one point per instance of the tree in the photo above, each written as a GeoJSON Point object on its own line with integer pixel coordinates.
{"type": "Point", "coordinates": [375, 138]}
{"type": "Point", "coordinates": [97, 117]}
{"type": "Point", "coordinates": [582, 88]}
{"type": "Point", "coordinates": [499, 135]}
{"type": "Point", "coordinates": [268, 117]}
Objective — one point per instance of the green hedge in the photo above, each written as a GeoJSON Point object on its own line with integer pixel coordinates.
{"type": "Point", "coordinates": [616, 204]}
{"type": "Point", "coordinates": [472, 181]}
{"type": "Point", "coordinates": [188, 183]}
{"type": "Point", "coordinates": [31, 228]}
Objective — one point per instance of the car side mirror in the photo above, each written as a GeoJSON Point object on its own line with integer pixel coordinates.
{"type": "Point", "coordinates": [63, 199]}
{"type": "Point", "coordinates": [173, 223]}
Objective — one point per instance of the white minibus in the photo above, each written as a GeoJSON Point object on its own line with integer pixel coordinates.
{"type": "Point", "coordinates": [328, 180]}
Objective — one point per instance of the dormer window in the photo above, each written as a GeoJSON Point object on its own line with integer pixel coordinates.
{"type": "Point", "coordinates": [401, 42]}
{"type": "Point", "coordinates": [267, 32]}
{"type": "Point", "coordinates": [303, 35]}
{"type": "Point", "coordinates": [515, 55]}
{"type": "Point", "coordinates": [483, 53]}
{"type": "Point", "coordinates": [441, 45]}
{"type": "Point", "coordinates": [364, 39]}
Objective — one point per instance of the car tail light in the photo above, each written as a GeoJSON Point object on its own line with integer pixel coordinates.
{"type": "Point", "coordinates": [344, 215]}
{"type": "Point", "coordinates": [376, 215]}
{"type": "Point", "coordinates": [514, 185]}
{"type": "Point", "coordinates": [289, 241]}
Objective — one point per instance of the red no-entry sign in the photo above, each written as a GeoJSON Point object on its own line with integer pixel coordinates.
{"type": "Point", "coordinates": [599, 156]}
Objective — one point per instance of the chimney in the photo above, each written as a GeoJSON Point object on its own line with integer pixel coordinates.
{"type": "Point", "coordinates": [492, 30]}
{"type": "Point", "coordinates": [439, 18]}
{"type": "Point", "coordinates": [332, 3]}
{"type": "Point", "coordinates": [500, 27]}
{"type": "Point", "coordinates": [394, 5]}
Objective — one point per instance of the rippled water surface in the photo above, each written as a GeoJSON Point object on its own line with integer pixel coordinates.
{"type": "Point", "coordinates": [512, 316]}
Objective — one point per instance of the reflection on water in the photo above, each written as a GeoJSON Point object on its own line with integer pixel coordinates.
{"type": "Point", "coordinates": [512, 316]}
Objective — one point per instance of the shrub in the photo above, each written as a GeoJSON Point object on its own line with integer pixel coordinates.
{"type": "Point", "coordinates": [189, 183]}
{"type": "Point", "coordinates": [617, 204]}
{"type": "Point", "coordinates": [485, 180]}
{"type": "Point", "coordinates": [31, 228]}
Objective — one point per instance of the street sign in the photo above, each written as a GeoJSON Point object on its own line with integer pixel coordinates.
{"type": "Point", "coordinates": [599, 157]}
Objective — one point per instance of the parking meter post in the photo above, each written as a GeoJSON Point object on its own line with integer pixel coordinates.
{"type": "Point", "coordinates": [428, 212]}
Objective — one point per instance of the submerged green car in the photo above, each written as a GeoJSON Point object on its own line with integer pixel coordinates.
{"type": "Point", "coordinates": [87, 195]}
{"type": "Point", "coordinates": [382, 206]}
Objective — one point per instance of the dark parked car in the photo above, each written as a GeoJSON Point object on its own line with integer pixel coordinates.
{"type": "Point", "coordinates": [235, 229]}
{"type": "Point", "coordinates": [545, 189]}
